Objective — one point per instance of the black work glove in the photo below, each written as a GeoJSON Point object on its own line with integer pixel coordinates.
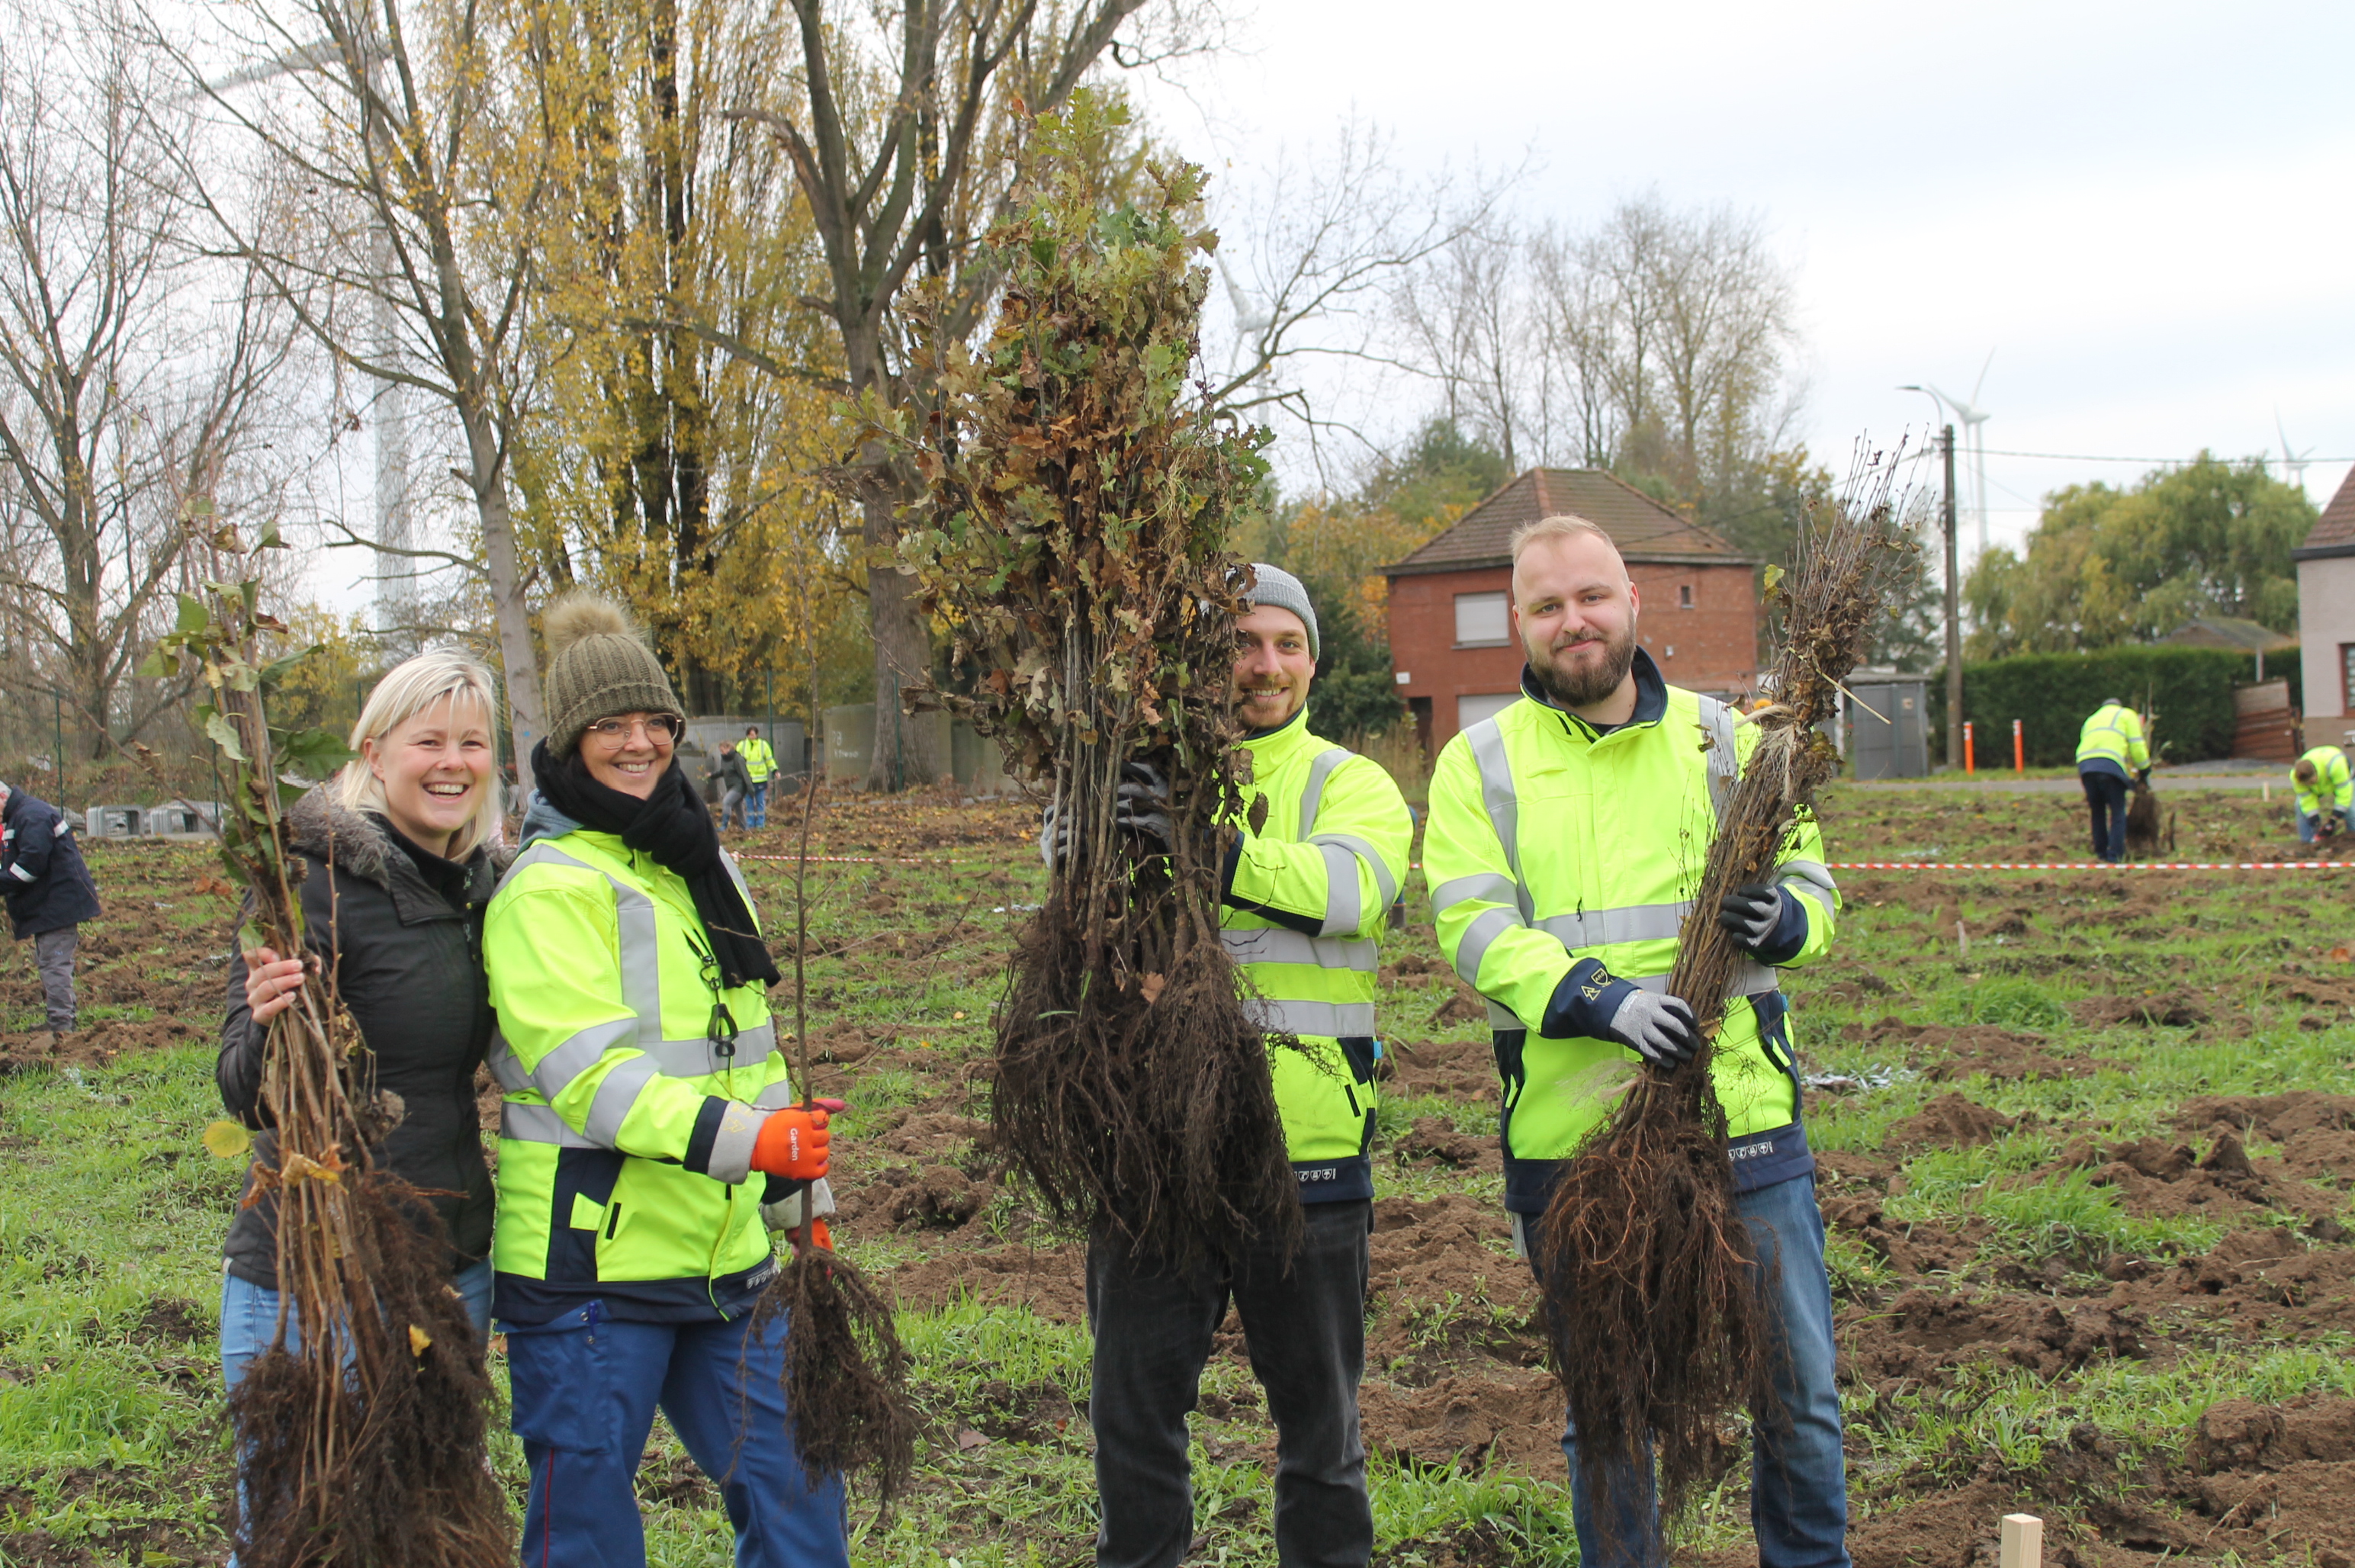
{"type": "Point", "coordinates": [1141, 805]}
{"type": "Point", "coordinates": [1751, 912]}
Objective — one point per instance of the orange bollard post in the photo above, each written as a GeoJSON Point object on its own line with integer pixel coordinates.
{"type": "Point", "coordinates": [2019, 750]}
{"type": "Point", "coordinates": [1970, 757]}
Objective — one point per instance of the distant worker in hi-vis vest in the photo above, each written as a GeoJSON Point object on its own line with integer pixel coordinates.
{"type": "Point", "coordinates": [1306, 895]}
{"type": "Point", "coordinates": [2324, 789]}
{"type": "Point", "coordinates": [760, 766]}
{"type": "Point", "coordinates": [2110, 751]}
{"type": "Point", "coordinates": [1564, 852]}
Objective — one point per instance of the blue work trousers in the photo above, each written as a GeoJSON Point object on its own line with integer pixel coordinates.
{"type": "Point", "coordinates": [1798, 1476]}
{"type": "Point", "coordinates": [756, 805]}
{"type": "Point", "coordinates": [585, 1389]}
{"type": "Point", "coordinates": [2105, 802]}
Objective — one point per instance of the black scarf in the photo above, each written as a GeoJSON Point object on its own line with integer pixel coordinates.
{"type": "Point", "coordinates": [674, 827]}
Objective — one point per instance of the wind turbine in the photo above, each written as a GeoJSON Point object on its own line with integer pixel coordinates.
{"type": "Point", "coordinates": [2293, 463]}
{"type": "Point", "coordinates": [1252, 318]}
{"type": "Point", "coordinates": [1972, 418]}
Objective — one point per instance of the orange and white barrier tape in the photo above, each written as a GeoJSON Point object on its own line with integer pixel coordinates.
{"type": "Point", "coordinates": [2090, 866]}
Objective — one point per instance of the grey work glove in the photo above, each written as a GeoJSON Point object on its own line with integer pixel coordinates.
{"type": "Point", "coordinates": [810, 1200]}
{"type": "Point", "coordinates": [1751, 912]}
{"type": "Point", "coordinates": [1660, 1029]}
{"type": "Point", "coordinates": [1054, 835]}
{"type": "Point", "coordinates": [1141, 805]}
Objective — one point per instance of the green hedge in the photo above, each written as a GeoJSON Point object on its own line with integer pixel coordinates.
{"type": "Point", "coordinates": [2189, 690]}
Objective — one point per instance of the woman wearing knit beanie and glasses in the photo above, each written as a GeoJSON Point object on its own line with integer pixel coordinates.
{"type": "Point", "coordinates": [650, 1137]}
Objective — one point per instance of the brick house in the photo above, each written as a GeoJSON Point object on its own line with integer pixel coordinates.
{"type": "Point", "coordinates": [1452, 643]}
{"type": "Point", "coordinates": [2326, 619]}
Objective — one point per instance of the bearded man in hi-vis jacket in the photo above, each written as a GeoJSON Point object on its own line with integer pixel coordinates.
{"type": "Point", "coordinates": [1565, 850]}
{"type": "Point", "coordinates": [1306, 893]}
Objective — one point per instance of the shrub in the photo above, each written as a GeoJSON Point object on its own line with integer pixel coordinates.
{"type": "Point", "coordinates": [2189, 690]}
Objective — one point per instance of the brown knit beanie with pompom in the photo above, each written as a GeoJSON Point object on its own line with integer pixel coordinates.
{"type": "Point", "coordinates": [597, 666]}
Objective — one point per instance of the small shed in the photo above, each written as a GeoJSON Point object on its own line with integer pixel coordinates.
{"type": "Point", "coordinates": [1887, 736]}
{"type": "Point", "coordinates": [1452, 651]}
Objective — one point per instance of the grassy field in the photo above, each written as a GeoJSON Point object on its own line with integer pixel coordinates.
{"type": "Point", "coordinates": [2086, 1180]}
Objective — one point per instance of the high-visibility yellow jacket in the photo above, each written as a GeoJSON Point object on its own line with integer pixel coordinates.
{"type": "Point", "coordinates": [2334, 784]}
{"type": "Point", "coordinates": [2112, 741]}
{"type": "Point", "coordinates": [1307, 898]}
{"type": "Point", "coordinates": [1555, 847]}
{"type": "Point", "coordinates": [760, 759]}
{"type": "Point", "coordinates": [625, 1140]}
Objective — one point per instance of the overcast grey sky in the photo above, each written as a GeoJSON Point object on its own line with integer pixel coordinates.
{"type": "Point", "coordinates": [2145, 212]}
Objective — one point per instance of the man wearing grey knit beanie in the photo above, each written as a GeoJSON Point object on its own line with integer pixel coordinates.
{"type": "Point", "coordinates": [1309, 879]}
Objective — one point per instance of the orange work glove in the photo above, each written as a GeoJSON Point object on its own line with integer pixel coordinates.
{"type": "Point", "coordinates": [819, 1236]}
{"type": "Point", "coordinates": [793, 1144]}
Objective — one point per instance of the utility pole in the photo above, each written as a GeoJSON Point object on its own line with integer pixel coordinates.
{"type": "Point", "coordinates": [1954, 610]}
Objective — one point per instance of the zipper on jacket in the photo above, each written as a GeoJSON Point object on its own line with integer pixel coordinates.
{"type": "Point", "coordinates": [612, 1222]}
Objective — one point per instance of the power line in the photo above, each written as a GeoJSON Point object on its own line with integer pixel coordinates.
{"type": "Point", "coordinates": [2089, 457]}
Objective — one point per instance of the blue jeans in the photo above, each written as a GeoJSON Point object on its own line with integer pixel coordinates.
{"type": "Point", "coordinates": [756, 805]}
{"type": "Point", "coordinates": [2309, 823]}
{"type": "Point", "coordinates": [248, 1324]}
{"type": "Point", "coordinates": [1798, 1476]}
{"type": "Point", "coordinates": [249, 1318]}
{"type": "Point", "coordinates": [585, 1388]}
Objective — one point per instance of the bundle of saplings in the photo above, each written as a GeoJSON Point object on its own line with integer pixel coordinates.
{"type": "Point", "coordinates": [363, 1424]}
{"type": "Point", "coordinates": [1074, 535]}
{"type": "Point", "coordinates": [1650, 1286]}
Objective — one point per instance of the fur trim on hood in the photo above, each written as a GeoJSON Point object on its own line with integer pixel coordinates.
{"type": "Point", "coordinates": [323, 829]}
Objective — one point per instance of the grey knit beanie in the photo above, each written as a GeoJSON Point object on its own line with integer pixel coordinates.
{"type": "Point", "coordinates": [597, 666]}
{"type": "Point", "coordinates": [1279, 590]}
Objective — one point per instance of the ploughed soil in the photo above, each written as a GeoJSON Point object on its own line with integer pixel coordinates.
{"type": "Point", "coordinates": [1455, 1375]}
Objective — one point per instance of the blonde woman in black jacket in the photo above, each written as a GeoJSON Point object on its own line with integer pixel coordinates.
{"type": "Point", "coordinates": [402, 857]}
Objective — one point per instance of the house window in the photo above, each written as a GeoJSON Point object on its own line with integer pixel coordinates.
{"type": "Point", "coordinates": [2347, 678]}
{"type": "Point", "coordinates": [1684, 595]}
{"type": "Point", "coordinates": [1481, 621]}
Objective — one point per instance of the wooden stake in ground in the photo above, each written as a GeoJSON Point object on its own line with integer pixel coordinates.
{"type": "Point", "coordinates": [1648, 1275]}
{"type": "Point", "coordinates": [362, 1427]}
{"type": "Point", "coordinates": [1075, 538]}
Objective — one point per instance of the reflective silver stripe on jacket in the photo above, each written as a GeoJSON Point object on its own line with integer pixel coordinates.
{"type": "Point", "coordinates": [641, 976]}
{"type": "Point", "coordinates": [1594, 927]}
{"type": "Point", "coordinates": [1341, 850]}
{"type": "Point", "coordinates": [1816, 876]}
{"type": "Point", "coordinates": [1275, 945]}
{"type": "Point", "coordinates": [1314, 795]}
{"type": "Point", "coordinates": [672, 1058]}
{"type": "Point", "coordinates": [539, 1125]}
{"type": "Point", "coordinates": [1630, 922]}
{"type": "Point", "coordinates": [1280, 1016]}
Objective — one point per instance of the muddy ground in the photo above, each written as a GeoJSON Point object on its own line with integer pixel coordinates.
{"type": "Point", "coordinates": [1981, 1044]}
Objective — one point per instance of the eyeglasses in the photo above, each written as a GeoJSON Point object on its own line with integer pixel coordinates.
{"type": "Point", "coordinates": [661, 729]}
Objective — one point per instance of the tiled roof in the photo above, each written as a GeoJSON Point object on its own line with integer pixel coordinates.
{"type": "Point", "coordinates": [2334, 531]}
{"type": "Point", "coordinates": [1641, 527]}
{"type": "Point", "coordinates": [2229, 632]}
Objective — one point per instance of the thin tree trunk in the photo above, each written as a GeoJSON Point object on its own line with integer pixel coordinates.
{"type": "Point", "coordinates": [903, 752]}
{"type": "Point", "coordinates": [526, 718]}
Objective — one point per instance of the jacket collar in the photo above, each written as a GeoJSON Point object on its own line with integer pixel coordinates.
{"type": "Point", "coordinates": [324, 829]}
{"type": "Point", "coordinates": [1651, 698]}
{"type": "Point", "coordinates": [1270, 749]}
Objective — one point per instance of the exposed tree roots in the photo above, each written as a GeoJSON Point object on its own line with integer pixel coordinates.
{"type": "Point", "coordinates": [845, 1372]}
{"type": "Point", "coordinates": [371, 1455]}
{"type": "Point", "coordinates": [1138, 1097]}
